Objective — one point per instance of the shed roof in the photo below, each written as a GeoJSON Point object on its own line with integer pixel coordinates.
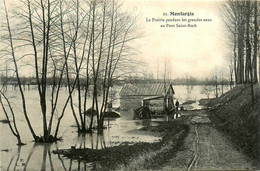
{"type": "Point", "coordinates": [144, 89]}
{"type": "Point", "coordinates": [152, 98]}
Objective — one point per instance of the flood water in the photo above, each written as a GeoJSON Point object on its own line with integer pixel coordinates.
{"type": "Point", "coordinates": [39, 156]}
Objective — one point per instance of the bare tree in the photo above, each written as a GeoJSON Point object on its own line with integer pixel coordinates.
{"type": "Point", "coordinates": [13, 128]}
{"type": "Point", "coordinates": [70, 40]}
{"type": "Point", "coordinates": [216, 81]}
{"type": "Point", "coordinates": [206, 89]}
{"type": "Point", "coordinates": [11, 51]}
{"type": "Point", "coordinates": [40, 31]}
{"type": "Point", "coordinates": [230, 73]}
{"type": "Point", "coordinates": [82, 43]}
{"type": "Point", "coordinates": [114, 31]}
{"type": "Point", "coordinates": [66, 52]}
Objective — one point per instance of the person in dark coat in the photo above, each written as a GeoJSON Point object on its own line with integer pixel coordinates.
{"type": "Point", "coordinates": [177, 104]}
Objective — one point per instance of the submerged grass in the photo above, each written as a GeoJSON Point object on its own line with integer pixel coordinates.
{"type": "Point", "coordinates": [155, 159]}
{"type": "Point", "coordinates": [139, 155]}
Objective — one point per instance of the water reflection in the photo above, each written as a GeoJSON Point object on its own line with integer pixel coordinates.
{"type": "Point", "coordinates": [34, 158]}
{"type": "Point", "coordinates": [46, 154]}
{"type": "Point", "coordinates": [10, 163]}
{"type": "Point", "coordinates": [146, 123]}
{"type": "Point", "coordinates": [101, 140]}
{"type": "Point", "coordinates": [82, 140]}
{"type": "Point", "coordinates": [46, 163]}
{"type": "Point", "coordinates": [171, 117]}
{"type": "Point", "coordinates": [61, 160]}
{"type": "Point", "coordinates": [29, 157]}
{"type": "Point", "coordinates": [96, 141]}
{"type": "Point", "coordinates": [39, 156]}
{"type": "Point", "coordinates": [16, 164]}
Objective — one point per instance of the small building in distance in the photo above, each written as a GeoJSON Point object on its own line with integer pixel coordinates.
{"type": "Point", "coordinates": [156, 96]}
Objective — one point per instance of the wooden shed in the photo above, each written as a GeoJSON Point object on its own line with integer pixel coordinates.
{"type": "Point", "coordinates": [156, 96]}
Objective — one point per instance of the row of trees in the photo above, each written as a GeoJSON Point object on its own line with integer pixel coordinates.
{"type": "Point", "coordinates": [242, 20]}
{"type": "Point", "coordinates": [68, 39]}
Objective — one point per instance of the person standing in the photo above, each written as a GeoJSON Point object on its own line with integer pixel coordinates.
{"type": "Point", "coordinates": [177, 104]}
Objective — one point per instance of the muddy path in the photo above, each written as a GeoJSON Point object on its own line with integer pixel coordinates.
{"type": "Point", "coordinates": [206, 148]}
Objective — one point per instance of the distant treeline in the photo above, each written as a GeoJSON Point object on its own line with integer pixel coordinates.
{"type": "Point", "coordinates": [180, 81]}
{"type": "Point", "coordinates": [177, 81]}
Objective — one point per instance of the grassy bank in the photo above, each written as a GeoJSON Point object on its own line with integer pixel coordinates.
{"type": "Point", "coordinates": [236, 115]}
{"type": "Point", "coordinates": [138, 156]}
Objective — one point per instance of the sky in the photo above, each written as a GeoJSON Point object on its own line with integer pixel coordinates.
{"type": "Point", "coordinates": [190, 51]}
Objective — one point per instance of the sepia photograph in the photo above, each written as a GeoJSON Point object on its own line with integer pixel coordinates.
{"type": "Point", "coordinates": [129, 85]}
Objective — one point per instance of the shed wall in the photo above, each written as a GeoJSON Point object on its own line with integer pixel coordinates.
{"type": "Point", "coordinates": [127, 103]}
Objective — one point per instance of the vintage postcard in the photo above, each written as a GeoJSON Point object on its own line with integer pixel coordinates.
{"type": "Point", "coordinates": [129, 85]}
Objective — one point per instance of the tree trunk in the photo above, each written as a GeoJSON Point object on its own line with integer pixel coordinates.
{"type": "Point", "coordinates": [14, 131]}
{"type": "Point", "coordinates": [248, 50]}
{"type": "Point", "coordinates": [18, 77]}
{"type": "Point", "coordinates": [241, 45]}
{"type": "Point", "coordinates": [235, 56]}
{"type": "Point", "coordinates": [248, 45]}
{"type": "Point", "coordinates": [241, 53]}
{"type": "Point", "coordinates": [254, 62]}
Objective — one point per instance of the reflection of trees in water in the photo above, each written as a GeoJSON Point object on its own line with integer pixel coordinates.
{"type": "Point", "coordinates": [61, 160]}
{"type": "Point", "coordinates": [24, 164]}
{"type": "Point", "coordinates": [16, 161]}
{"type": "Point", "coordinates": [46, 153]}
{"type": "Point", "coordinates": [29, 157]}
{"type": "Point", "coordinates": [10, 163]}
{"type": "Point", "coordinates": [97, 141]}
{"type": "Point", "coordinates": [146, 123]}
{"type": "Point", "coordinates": [82, 138]}
{"type": "Point", "coordinates": [39, 155]}
{"type": "Point", "coordinates": [101, 140]}
{"type": "Point", "coordinates": [143, 122]}
{"type": "Point", "coordinates": [82, 165]}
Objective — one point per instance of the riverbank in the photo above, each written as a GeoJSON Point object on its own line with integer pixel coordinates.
{"type": "Point", "coordinates": [235, 114]}
{"type": "Point", "coordinates": [143, 155]}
